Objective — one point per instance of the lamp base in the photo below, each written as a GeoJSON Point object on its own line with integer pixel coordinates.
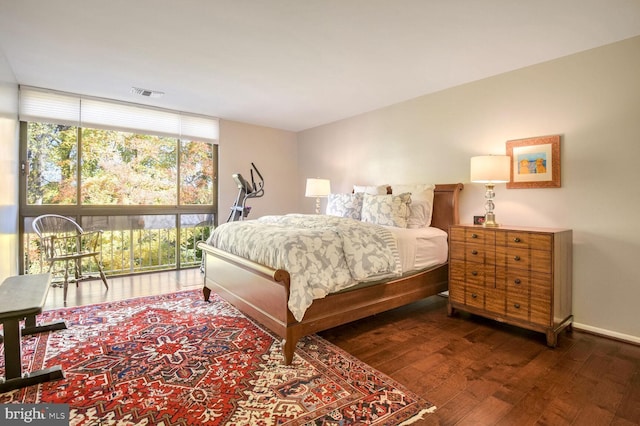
{"type": "Point", "coordinates": [490, 221]}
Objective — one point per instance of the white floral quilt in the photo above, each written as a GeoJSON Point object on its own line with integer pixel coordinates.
{"type": "Point", "coordinates": [323, 254]}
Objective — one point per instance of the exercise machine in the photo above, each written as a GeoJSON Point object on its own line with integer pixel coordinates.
{"type": "Point", "coordinates": [246, 190]}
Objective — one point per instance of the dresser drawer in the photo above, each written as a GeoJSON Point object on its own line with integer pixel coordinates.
{"type": "Point", "coordinates": [478, 253]}
{"type": "Point", "coordinates": [478, 273]}
{"type": "Point", "coordinates": [479, 236]}
{"type": "Point", "coordinates": [527, 240]}
{"type": "Point", "coordinates": [519, 258]}
{"type": "Point", "coordinates": [512, 279]}
{"type": "Point", "coordinates": [518, 307]}
{"type": "Point", "coordinates": [518, 286]}
{"type": "Point", "coordinates": [474, 296]}
{"type": "Point", "coordinates": [513, 257]}
{"type": "Point", "coordinates": [532, 240]}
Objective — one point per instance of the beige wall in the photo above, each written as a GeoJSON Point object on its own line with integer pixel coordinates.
{"type": "Point", "coordinates": [274, 153]}
{"type": "Point", "coordinates": [592, 99]}
{"type": "Point", "coordinates": [8, 171]}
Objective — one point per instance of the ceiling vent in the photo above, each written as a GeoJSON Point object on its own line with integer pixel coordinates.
{"type": "Point", "coordinates": [146, 92]}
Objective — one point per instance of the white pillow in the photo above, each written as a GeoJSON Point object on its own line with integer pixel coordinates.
{"type": "Point", "coordinates": [371, 189]}
{"type": "Point", "coordinates": [345, 205]}
{"type": "Point", "coordinates": [418, 214]}
{"type": "Point", "coordinates": [421, 203]}
{"type": "Point", "coordinates": [390, 210]}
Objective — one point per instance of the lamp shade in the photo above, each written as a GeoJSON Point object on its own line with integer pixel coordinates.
{"type": "Point", "coordinates": [491, 168]}
{"type": "Point", "coordinates": [318, 188]}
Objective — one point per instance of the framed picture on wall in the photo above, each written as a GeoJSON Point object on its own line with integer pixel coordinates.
{"type": "Point", "coordinates": [535, 162]}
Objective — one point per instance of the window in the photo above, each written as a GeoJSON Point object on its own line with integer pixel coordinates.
{"type": "Point", "coordinates": [153, 193]}
{"type": "Point", "coordinates": [52, 157]}
{"type": "Point", "coordinates": [196, 180]}
{"type": "Point", "coordinates": [122, 168]}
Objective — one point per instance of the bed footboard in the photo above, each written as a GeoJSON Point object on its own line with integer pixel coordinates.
{"type": "Point", "coordinates": [262, 293]}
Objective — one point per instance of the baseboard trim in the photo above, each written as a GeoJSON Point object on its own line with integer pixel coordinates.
{"type": "Point", "coordinates": [607, 333]}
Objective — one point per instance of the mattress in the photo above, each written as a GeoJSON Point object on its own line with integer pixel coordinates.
{"type": "Point", "coordinates": [420, 248]}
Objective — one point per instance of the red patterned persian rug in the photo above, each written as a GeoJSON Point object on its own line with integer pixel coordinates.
{"type": "Point", "coordinates": [177, 360]}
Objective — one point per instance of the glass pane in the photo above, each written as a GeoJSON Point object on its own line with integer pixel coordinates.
{"type": "Point", "coordinates": [196, 173]}
{"type": "Point", "coordinates": [193, 229]}
{"type": "Point", "coordinates": [135, 243]}
{"type": "Point", "coordinates": [52, 153]}
{"type": "Point", "coordinates": [34, 262]}
{"type": "Point", "coordinates": [122, 168]}
{"type": "Point", "coordinates": [35, 259]}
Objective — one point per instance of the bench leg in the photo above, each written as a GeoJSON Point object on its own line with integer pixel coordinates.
{"type": "Point", "coordinates": [30, 326]}
{"type": "Point", "coordinates": [14, 379]}
{"type": "Point", "coordinates": [34, 378]}
{"type": "Point", "coordinates": [12, 349]}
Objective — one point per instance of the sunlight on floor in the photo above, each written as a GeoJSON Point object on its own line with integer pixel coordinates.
{"type": "Point", "coordinates": [120, 288]}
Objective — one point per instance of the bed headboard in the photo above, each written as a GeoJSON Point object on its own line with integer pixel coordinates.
{"type": "Point", "coordinates": [445, 205]}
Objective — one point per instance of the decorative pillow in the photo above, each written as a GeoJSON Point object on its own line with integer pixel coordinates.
{"type": "Point", "coordinates": [345, 205]}
{"type": "Point", "coordinates": [421, 203]}
{"type": "Point", "coordinates": [391, 210]}
{"type": "Point", "coordinates": [372, 189]}
{"type": "Point", "coordinates": [418, 214]}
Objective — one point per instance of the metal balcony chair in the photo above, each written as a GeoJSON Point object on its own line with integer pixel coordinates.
{"type": "Point", "coordinates": [62, 240]}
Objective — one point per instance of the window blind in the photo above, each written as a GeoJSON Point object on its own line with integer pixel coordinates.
{"type": "Point", "coordinates": [42, 105]}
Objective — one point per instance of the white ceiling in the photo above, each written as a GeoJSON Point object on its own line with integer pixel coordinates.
{"type": "Point", "coordinates": [292, 64]}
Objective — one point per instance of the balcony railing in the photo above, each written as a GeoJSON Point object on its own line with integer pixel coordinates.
{"type": "Point", "coordinates": [134, 244]}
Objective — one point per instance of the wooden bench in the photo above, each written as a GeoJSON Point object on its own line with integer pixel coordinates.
{"type": "Point", "coordinates": [22, 298]}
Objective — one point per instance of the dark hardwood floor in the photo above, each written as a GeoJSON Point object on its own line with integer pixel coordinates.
{"type": "Point", "coordinates": [477, 372]}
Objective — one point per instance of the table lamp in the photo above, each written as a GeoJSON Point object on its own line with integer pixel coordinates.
{"type": "Point", "coordinates": [490, 169]}
{"type": "Point", "coordinates": [318, 188]}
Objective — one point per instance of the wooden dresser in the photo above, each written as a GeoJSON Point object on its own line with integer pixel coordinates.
{"type": "Point", "coordinates": [516, 275]}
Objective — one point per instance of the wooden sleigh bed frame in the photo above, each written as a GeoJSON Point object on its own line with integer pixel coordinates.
{"type": "Point", "coordinates": [262, 293]}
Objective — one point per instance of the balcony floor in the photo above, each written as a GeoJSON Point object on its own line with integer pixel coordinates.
{"type": "Point", "coordinates": [125, 287]}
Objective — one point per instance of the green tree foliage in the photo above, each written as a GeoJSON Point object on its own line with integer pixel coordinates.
{"type": "Point", "coordinates": [53, 158]}
{"type": "Point", "coordinates": [128, 169]}
{"type": "Point", "coordinates": [196, 167]}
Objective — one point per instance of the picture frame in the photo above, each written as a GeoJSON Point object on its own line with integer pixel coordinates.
{"type": "Point", "coordinates": [535, 162]}
{"type": "Point", "coordinates": [478, 220]}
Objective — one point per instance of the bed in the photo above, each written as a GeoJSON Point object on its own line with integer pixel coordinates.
{"type": "Point", "coordinates": [262, 292]}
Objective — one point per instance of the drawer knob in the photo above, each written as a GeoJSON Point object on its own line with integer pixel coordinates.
{"type": "Point", "coordinates": [517, 240]}
{"type": "Point", "coordinates": [516, 305]}
{"type": "Point", "coordinates": [517, 281]}
{"type": "Point", "coordinates": [473, 295]}
{"type": "Point", "coordinates": [516, 258]}
{"type": "Point", "coordinates": [474, 235]}
{"type": "Point", "coordinates": [474, 252]}
{"type": "Point", "coordinates": [474, 273]}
